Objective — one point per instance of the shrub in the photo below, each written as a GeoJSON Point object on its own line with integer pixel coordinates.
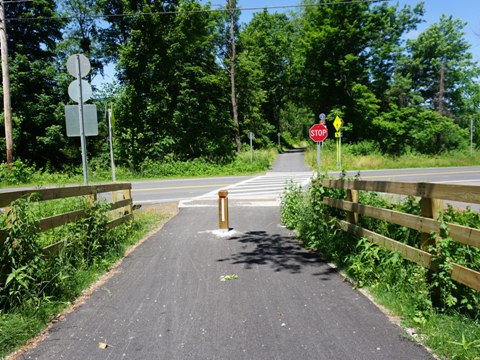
{"type": "Point", "coordinates": [364, 148]}
{"type": "Point", "coordinates": [19, 173]}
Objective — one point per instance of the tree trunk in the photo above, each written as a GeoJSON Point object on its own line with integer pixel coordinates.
{"type": "Point", "coordinates": [232, 7]}
{"type": "Point", "coordinates": [441, 93]}
{"type": "Point", "coordinates": [6, 87]}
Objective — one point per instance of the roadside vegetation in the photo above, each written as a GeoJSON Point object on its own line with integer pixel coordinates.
{"type": "Point", "coordinates": [100, 171]}
{"type": "Point", "coordinates": [451, 330]}
{"type": "Point", "coordinates": [35, 289]}
{"type": "Point", "coordinates": [366, 155]}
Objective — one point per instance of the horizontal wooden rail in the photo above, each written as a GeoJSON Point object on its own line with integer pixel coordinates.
{"type": "Point", "coordinates": [431, 195]}
{"type": "Point", "coordinates": [466, 276]}
{"type": "Point", "coordinates": [62, 192]}
{"type": "Point", "coordinates": [453, 192]}
{"type": "Point", "coordinates": [461, 234]}
{"type": "Point", "coordinates": [418, 256]}
{"type": "Point", "coordinates": [124, 202]}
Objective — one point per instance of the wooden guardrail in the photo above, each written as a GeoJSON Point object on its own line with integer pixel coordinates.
{"type": "Point", "coordinates": [431, 202]}
{"type": "Point", "coordinates": [120, 206]}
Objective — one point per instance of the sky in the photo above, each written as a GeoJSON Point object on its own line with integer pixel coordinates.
{"type": "Point", "coordinates": [465, 10]}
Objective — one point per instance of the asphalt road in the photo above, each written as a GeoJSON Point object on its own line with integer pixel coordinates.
{"type": "Point", "coordinates": [167, 301]}
{"type": "Point", "coordinates": [167, 191]}
{"type": "Point", "coordinates": [161, 191]}
{"type": "Point", "coordinates": [466, 175]}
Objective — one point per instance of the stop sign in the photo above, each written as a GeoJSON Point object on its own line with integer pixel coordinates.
{"type": "Point", "coordinates": [318, 132]}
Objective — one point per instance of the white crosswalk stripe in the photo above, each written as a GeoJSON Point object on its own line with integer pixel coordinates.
{"type": "Point", "coordinates": [266, 188]}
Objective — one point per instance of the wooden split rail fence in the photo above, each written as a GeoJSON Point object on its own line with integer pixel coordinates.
{"type": "Point", "coordinates": [120, 207]}
{"type": "Point", "coordinates": [431, 202]}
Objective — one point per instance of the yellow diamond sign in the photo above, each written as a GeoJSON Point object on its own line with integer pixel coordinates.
{"type": "Point", "coordinates": [337, 123]}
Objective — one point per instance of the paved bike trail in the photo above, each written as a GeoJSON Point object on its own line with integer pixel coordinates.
{"type": "Point", "coordinates": [167, 301]}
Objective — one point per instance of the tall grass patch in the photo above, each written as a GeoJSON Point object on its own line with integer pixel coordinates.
{"type": "Point", "coordinates": [100, 171]}
{"type": "Point", "coordinates": [367, 156]}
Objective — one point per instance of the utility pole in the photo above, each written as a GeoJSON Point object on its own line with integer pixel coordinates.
{"type": "Point", "coordinates": [441, 94]}
{"type": "Point", "coordinates": [6, 87]}
{"type": "Point", "coordinates": [232, 7]}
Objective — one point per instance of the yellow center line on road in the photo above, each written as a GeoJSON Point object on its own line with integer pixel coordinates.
{"type": "Point", "coordinates": [182, 187]}
{"type": "Point", "coordinates": [417, 174]}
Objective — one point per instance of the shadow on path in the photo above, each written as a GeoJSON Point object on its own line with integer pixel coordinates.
{"type": "Point", "coordinates": [281, 253]}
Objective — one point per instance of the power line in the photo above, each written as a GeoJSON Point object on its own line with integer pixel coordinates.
{"type": "Point", "coordinates": [16, 1]}
{"type": "Point", "coordinates": [274, 7]}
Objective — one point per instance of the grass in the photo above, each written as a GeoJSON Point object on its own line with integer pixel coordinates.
{"type": "Point", "coordinates": [450, 335]}
{"type": "Point", "coordinates": [376, 160]}
{"type": "Point", "coordinates": [19, 326]}
{"type": "Point", "coordinates": [100, 172]}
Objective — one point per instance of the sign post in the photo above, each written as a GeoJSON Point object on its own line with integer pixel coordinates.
{"type": "Point", "coordinates": [251, 136]}
{"type": "Point", "coordinates": [80, 91]}
{"type": "Point", "coordinates": [318, 133]}
{"type": "Point", "coordinates": [110, 140]}
{"type": "Point", "coordinates": [338, 123]}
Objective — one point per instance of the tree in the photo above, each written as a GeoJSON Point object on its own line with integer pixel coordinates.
{"type": "Point", "coordinates": [231, 6]}
{"type": "Point", "coordinates": [266, 46]}
{"type": "Point", "coordinates": [347, 56]}
{"type": "Point", "coordinates": [441, 65]}
{"type": "Point", "coordinates": [37, 117]}
{"type": "Point", "coordinates": [173, 103]}
{"type": "Point", "coordinates": [82, 33]}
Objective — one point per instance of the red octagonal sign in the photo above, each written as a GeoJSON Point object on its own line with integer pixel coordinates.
{"type": "Point", "coordinates": [318, 132]}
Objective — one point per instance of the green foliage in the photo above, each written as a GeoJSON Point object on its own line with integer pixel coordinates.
{"type": "Point", "coordinates": [20, 258]}
{"type": "Point", "coordinates": [447, 251]}
{"type": "Point", "coordinates": [365, 147]}
{"type": "Point", "coordinates": [419, 129]}
{"type": "Point", "coordinates": [20, 173]}
{"type": "Point", "coordinates": [442, 45]}
{"type": "Point", "coordinates": [28, 277]}
{"type": "Point", "coordinates": [175, 105]}
{"type": "Point", "coordinates": [292, 200]}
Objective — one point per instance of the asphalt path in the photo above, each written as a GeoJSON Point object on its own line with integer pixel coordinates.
{"type": "Point", "coordinates": [167, 301]}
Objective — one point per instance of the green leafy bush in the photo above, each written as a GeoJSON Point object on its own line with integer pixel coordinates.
{"type": "Point", "coordinates": [19, 173]}
{"type": "Point", "coordinates": [363, 148]}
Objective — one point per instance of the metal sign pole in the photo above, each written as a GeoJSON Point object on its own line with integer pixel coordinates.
{"type": "Point", "coordinates": [340, 157]}
{"type": "Point", "coordinates": [110, 136]}
{"type": "Point", "coordinates": [318, 158]}
{"type": "Point", "coordinates": [83, 140]}
{"type": "Point", "coordinates": [250, 135]}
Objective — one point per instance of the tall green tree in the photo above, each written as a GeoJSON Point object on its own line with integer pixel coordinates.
{"type": "Point", "coordinates": [266, 46]}
{"type": "Point", "coordinates": [441, 66]}
{"type": "Point", "coordinates": [38, 121]}
{"type": "Point", "coordinates": [82, 33]}
{"type": "Point", "coordinates": [348, 56]}
{"type": "Point", "coordinates": [173, 103]}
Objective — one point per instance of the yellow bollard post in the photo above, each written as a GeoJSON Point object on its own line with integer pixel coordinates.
{"type": "Point", "coordinates": [223, 210]}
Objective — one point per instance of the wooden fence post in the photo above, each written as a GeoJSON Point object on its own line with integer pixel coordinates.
{"type": "Point", "coordinates": [430, 208]}
{"type": "Point", "coordinates": [127, 194]}
{"type": "Point", "coordinates": [352, 195]}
